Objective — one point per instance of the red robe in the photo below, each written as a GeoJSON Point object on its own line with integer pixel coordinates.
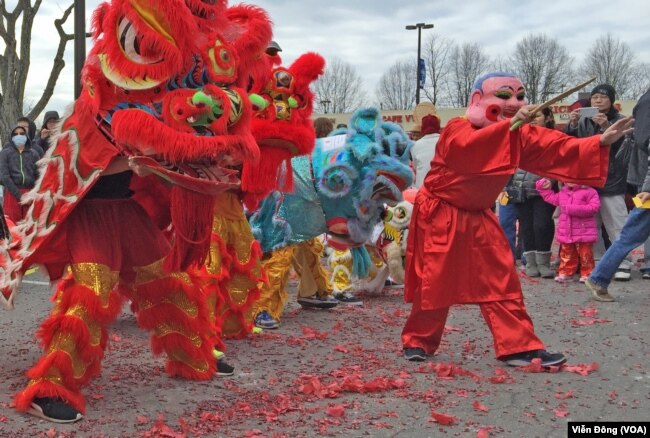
{"type": "Point", "coordinates": [456, 252]}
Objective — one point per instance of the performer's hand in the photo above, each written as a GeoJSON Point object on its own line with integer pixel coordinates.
{"type": "Point", "coordinates": [546, 184]}
{"type": "Point", "coordinates": [524, 114]}
{"type": "Point", "coordinates": [574, 117]}
{"type": "Point", "coordinates": [617, 130]}
{"type": "Point", "coordinates": [643, 196]}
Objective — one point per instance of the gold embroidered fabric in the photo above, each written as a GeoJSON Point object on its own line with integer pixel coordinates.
{"type": "Point", "coordinates": [97, 277]}
{"type": "Point", "coordinates": [341, 265]}
{"type": "Point", "coordinates": [167, 328]}
{"type": "Point", "coordinates": [178, 299]}
{"type": "Point", "coordinates": [94, 328]}
{"type": "Point", "coordinates": [273, 295]}
{"type": "Point", "coordinates": [307, 264]}
{"type": "Point", "coordinates": [180, 356]}
{"type": "Point", "coordinates": [66, 343]}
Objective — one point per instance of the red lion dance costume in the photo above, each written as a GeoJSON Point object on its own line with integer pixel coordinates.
{"type": "Point", "coordinates": [282, 127]}
{"type": "Point", "coordinates": [164, 89]}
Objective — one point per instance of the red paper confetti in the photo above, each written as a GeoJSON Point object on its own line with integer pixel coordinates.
{"type": "Point", "coordinates": [483, 432]}
{"type": "Point", "coordinates": [582, 369]}
{"type": "Point", "coordinates": [561, 413]}
{"type": "Point", "coordinates": [479, 407]}
{"type": "Point", "coordinates": [336, 411]}
{"type": "Point", "coordinates": [443, 419]}
{"type": "Point", "coordinates": [566, 395]}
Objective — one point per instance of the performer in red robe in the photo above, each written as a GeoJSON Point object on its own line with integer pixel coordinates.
{"type": "Point", "coordinates": [456, 252]}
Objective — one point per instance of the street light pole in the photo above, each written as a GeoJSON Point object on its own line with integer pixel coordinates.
{"type": "Point", "coordinates": [419, 27]}
{"type": "Point", "coordinates": [79, 43]}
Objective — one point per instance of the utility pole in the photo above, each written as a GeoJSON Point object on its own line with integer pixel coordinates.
{"type": "Point", "coordinates": [419, 27]}
{"type": "Point", "coordinates": [79, 43]}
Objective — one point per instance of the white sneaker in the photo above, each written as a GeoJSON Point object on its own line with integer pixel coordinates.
{"type": "Point", "coordinates": [622, 275]}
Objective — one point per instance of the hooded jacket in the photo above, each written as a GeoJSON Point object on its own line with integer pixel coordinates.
{"type": "Point", "coordinates": [18, 170]}
{"type": "Point", "coordinates": [639, 172]}
{"type": "Point", "coordinates": [578, 208]}
{"type": "Point", "coordinates": [44, 143]}
{"type": "Point", "coordinates": [616, 183]}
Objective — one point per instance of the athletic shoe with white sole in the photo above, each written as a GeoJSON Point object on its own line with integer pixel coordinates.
{"type": "Point", "coordinates": [54, 410]}
{"type": "Point", "coordinates": [526, 358]}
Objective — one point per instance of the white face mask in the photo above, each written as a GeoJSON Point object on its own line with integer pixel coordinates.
{"type": "Point", "coordinates": [19, 140]}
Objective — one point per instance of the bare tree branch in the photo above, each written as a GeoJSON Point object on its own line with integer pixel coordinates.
{"type": "Point", "coordinates": [396, 88]}
{"type": "Point", "coordinates": [339, 90]}
{"type": "Point", "coordinates": [543, 65]}
{"type": "Point", "coordinates": [612, 62]}
{"type": "Point", "coordinates": [57, 64]}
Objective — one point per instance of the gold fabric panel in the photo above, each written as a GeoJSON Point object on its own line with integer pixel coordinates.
{"type": "Point", "coordinates": [66, 343]}
{"type": "Point", "coordinates": [180, 356]}
{"type": "Point", "coordinates": [341, 264]}
{"type": "Point", "coordinates": [97, 277]}
{"type": "Point", "coordinates": [94, 328]}
{"type": "Point", "coordinates": [273, 295]}
{"type": "Point", "coordinates": [178, 299]}
{"type": "Point", "coordinates": [167, 328]}
{"type": "Point", "coordinates": [155, 271]}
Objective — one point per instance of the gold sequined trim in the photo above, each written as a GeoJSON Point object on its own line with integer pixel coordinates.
{"type": "Point", "coordinates": [167, 328]}
{"type": "Point", "coordinates": [97, 277]}
{"type": "Point", "coordinates": [93, 327]}
{"type": "Point", "coordinates": [66, 343]}
{"type": "Point", "coordinates": [155, 271]}
{"type": "Point", "coordinates": [180, 356]}
{"type": "Point", "coordinates": [179, 300]}
{"type": "Point", "coordinates": [238, 288]}
{"type": "Point", "coordinates": [53, 376]}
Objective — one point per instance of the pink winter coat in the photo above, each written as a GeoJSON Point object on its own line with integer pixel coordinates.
{"type": "Point", "coordinates": [578, 208]}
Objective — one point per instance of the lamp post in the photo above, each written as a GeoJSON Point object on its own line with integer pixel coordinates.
{"type": "Point", "coordinates": [419, 27]}
{"type": "Point", "coordinates": [326, 104]}
{"type": "Point", "coordinates": [79, 43]}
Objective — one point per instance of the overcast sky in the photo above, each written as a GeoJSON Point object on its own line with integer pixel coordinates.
{"type": "Point", "coordinates": [370, 34]}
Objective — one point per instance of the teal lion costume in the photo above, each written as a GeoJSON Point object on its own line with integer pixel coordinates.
{"type": "Point", "coordinates": [339, 190]}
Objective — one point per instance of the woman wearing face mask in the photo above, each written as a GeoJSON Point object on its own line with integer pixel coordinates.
{"type": "Point", "coordinates": [18, 172]}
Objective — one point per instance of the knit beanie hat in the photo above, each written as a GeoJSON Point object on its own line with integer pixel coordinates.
{"type": "Point", "coordinates": [430, 125]}
{"type": "Point", "coordinates": [605, 89]}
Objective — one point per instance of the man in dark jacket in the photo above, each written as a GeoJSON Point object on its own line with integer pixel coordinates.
{"type": "Point", "coordinates": [613, 211]}
{"type": "Point", "coordinates": [637, 227]}
{"type": "Point", "coordinates": [49, 123]}
{"type": "Point", "coordinates": [18, 171]}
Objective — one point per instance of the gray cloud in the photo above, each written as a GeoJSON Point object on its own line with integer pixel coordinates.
{"type": "Point", "coordinates": [370, 35]}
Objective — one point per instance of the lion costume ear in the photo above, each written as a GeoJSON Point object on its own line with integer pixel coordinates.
{"type": "Point", "coordinates": [249, 31]}
{"type": "Point", "coordinates": [306, 69]}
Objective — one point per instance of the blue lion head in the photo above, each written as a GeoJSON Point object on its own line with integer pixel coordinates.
{"type": "Point", "coordinates": [359, 169]}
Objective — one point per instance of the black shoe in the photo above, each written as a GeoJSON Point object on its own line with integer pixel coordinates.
{"type": "Point", "coordinates": [391, 283]}
{"type": "Point", "coordinates": [415, 354]}
{"type": "Point", "coordinates": [348, 298]}
{"type": "Point", "coordinates": [224, 369]}
{"type": "Point", "coordinates": [316, 302]}
{"type": "Point", "coordinates": [54, 410]}
{"type": "Point", "coordinates": [526, 358]}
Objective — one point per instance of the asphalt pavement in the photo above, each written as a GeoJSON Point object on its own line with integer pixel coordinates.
{"type": "Point", "coordinates": [340, 373]}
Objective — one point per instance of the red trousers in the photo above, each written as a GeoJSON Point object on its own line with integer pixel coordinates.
{"type": "Point", "coordinates": [571, 254]}
{"type": "Point", "coordinates": [12, 207]}
{"type": "Point", "coordinates": [511, 327]}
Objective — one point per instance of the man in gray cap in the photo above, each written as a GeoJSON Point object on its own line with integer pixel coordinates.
{"type": "Point", "coordinates": [273, 48]}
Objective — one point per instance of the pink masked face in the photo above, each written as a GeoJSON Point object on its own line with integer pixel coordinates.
{"type": "Point", "coordinates": [501, 99]}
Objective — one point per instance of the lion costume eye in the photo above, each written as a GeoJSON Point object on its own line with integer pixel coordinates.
{"type": "Point", "coordinates": [130, 42]}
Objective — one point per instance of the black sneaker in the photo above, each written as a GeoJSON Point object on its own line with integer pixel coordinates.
{"type": "Point", "coordinates": [223, 368]}
{"type": "Point", "coordinates": [526, 358]}
{"type": "Point", "coordinates": [316, 302]}
{"type": "Point", "coordinates": [54, 410]}
{"type": "Point", "coordinates": [415, 354]}
{"type": "Point", "coordinates": [348, 298]}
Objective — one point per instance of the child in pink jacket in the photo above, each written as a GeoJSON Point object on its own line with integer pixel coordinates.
{"type": "Point", "coordinates": [576, 229]}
